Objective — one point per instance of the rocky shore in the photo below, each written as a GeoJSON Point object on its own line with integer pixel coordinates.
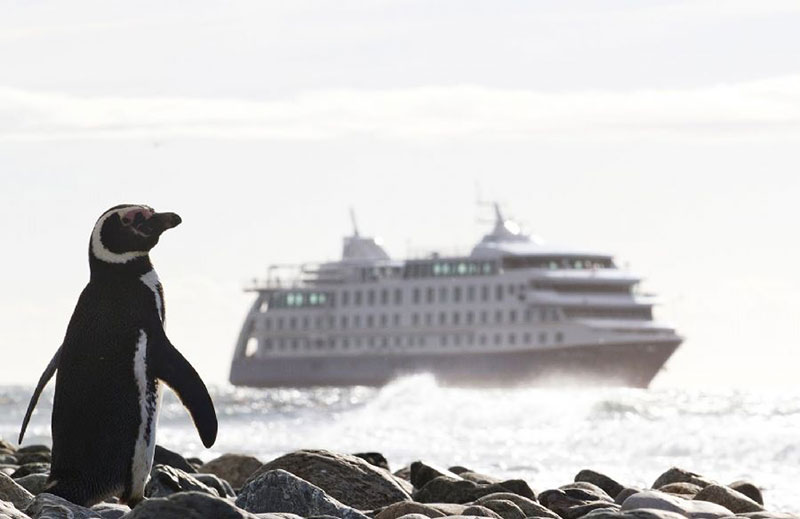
{"type": "Point", "coordinates": [322, 484]}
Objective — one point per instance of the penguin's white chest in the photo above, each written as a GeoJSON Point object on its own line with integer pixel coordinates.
{"type": "Point", "coordinates": [152, 282]}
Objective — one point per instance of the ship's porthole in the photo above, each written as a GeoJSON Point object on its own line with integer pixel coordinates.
{"type": "Point", "coordinates": [251, 348]}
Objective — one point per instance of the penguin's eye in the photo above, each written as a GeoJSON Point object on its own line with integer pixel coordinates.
{"type": "Point", "coordinates": [126, 220]}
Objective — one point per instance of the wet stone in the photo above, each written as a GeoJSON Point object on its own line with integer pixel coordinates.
{"type": "Point", "coordinates": [31, 468]}
{"type": "Point", "coordinates": [528, 506]}
{"type": "Point", "coordinates": [9, 511]}
{"type": "Point", "coordinates": [689, 508]}
{"type": "Point", "coordinates": [188, 505]}
{"type": "Point", "coordinates": [48, 506]}
{"type": "Point", "coordinates": [734, 501]}
{"type": "Point", "coordinates": [166, 480]}
{"type": "Point", "coordinates": [33, 448]}
{"type": "Point", "coordinates": [233, 468]}
{"type": "Point", "coordinates": [33, 483]}
{"type": "Point", "coordinates": [504, 508]}
{"type": "Point", "coordinates": [422, 473]}
{"type": "Point", "coordinates": [164, 456]}
{"type": "Point", "coordinates": [609, 486]}
{"type": "Point", "coordinates": [586, 491]}
{"type": "Point", "coordinates": [678, 475]}
{"type": "Point", "coordinates": [683, 489]}
{"type": "Point", "coordinates": [282, 491]}
{"type": "Point", "coordinates": [14, 493]}
{"type": "Point", "coordinates": [374, 458]}
{"type": "Point", "coordinates": [748, 489]}
{"type": "Point", "coordinates": [110, 510]}
{"type": "Point", "coordinates": [33, 457]}
{"type": "Point", "coordinates": [408, 507]}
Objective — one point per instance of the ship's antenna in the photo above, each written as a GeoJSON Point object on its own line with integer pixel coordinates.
{"type": "Point", "coordinates": [353, 220]}
{"type": "Point", "coordinates": [498, 213]}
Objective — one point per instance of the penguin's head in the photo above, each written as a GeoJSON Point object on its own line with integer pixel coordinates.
{"type": "Point", "coordinates": [126, 232]}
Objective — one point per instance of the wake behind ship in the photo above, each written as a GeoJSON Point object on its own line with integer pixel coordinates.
{"type": "Point", "coordinates": [512, 312]}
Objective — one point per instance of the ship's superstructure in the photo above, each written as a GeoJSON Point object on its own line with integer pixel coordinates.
{"type": "Point", "coordinates": [512, 311]}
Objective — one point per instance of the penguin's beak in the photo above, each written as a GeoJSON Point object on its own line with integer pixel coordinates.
{"type": "Point", "coordinates": [160, 222]}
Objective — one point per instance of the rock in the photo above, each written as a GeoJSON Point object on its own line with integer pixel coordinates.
{"type": "Point", "coordinates": [12, 492]}
{"type": "Point", "coordinates": [504, 508]}
{"type": "Point", "coordinates": [528, 506]}
{"type": "Point", "coordinates": [413, 516]}
{"type": "Point", "coordinates": [31, 468]}
{"type": "Point", "coordinates": [33, 457]}
{"type": "Point", "coordinates": [421, 473]}
{"type": "Point", "coordinates": [734, 501]}
{"type": "Point", "coordinates": [164, 456]}
{"type": "Point", "coordinates": [579, 511]}
{"type": "Point", "coordinates": [688, 508]}
{"type": "Point", "coordinates": [9, 511]}
{"type": "Point", "coordinates": [479, 511]}
{"type": "Point", "coordinates": [682, 489]}
{"type": "Point", "coordinates": [404, 474]}
{"type": "Point", "coordinates": [586, 491]}
{"type": "Point", "coordinates": [166, 480]}
{"type": "Point", "coordinates": [222, 487]}
{"type": "Point", "coordinates": [233, 468]}
{"type": "Point", "coordinates": [625, 493]}
{"type": "Point", "coordinates": [8, 469]}
{"type": "Point", "coordinates": [7, 445]}
{"type": "Point", "coordinates": [609, 486]}
{"type": "Point", "coordinates": [748, 489]}
{"type": "Point", "coordinates": [348, 479]}
{"type": "Point", "coordinates": [374, 458]}
{"type": "Point", "coordinates": [447, 490]}
{"type": "Point", "coordinates": [48, 506]}
{"type": "Point", "coordinates": [559, 501]}
{"type": "Point", "coordinates": [33, 483]}
{"type": "Point", "coordinates": [768, 515]}
{"type": "Point", "coordinates": [471, 475]}
{"type": "Point", "coordinates": [678, 475]}
{"type": "Point", "coordinates": [33, 448]}
{"type": "Point", "coordinates": [282, 491]}
{"type": "Point", "coordinates": [8, 459]}
{"type": "Point", "coordinates": [408, 507]}
{"type": "Point", "coordinates": [188, 505]}
{"type": "Point", "coordinates": [110, 510]}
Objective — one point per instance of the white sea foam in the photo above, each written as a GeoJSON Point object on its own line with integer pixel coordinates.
{"type": "Point", "coordinates": [543, 435]}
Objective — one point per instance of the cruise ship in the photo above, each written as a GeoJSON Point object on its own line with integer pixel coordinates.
{"type": "Point", "coordinates": [514, 311]}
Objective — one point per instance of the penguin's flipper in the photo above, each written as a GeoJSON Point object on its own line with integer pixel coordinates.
{"type": "Point", "coordinates": [176, 372]}
{"type": "Point", "coordinates": [49, 371]}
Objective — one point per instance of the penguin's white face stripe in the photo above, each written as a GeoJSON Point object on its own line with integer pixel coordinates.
{"type": "Point", "coordinates": [153, 283]}
{"type": "Point", "coordinates": [101, 252]}
{"type": "Point", "coordinates": [145, 442]}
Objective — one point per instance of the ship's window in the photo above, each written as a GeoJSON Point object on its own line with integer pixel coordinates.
{"type": "Point", "coordinates": [318, 323]}
{"type": "Point", "coordinates": [370, 297]}
{"type": "Point", "coordinates": [470, 317]}
{"type": "Point", "coordinates": [526, 337]}
{"type": "Point", "coordinates": [371, 342]}
{"type": "Point", "coordinates": [442, 318]}
{"type": "Point", "coordinates": [428, 319]}
{"type": "Point", "coordinates": [384, 342]}
{"type": "Point", "coordinates": [498, 294]}
{"type": "Point", "coordinates": [384, 296]}
{"type": "Point", "coordinates": [415, 319]}
{"type": "Point", "coordinates": [462, 268]}
{"type": "Point", "coordinates": [345, 298]}
{"type": "Point", "coordinates": [470, 339]}
{"type": "Point", "coordinates": [384, 319]}
{"type": "Point", "coordinates": [554, 314]}
{"type": "Point", "coordinates": [457, 294]}
{"type": "Point", "coordinates": [528, 315]}
{"type": "Point", "coordinates": [543, 314]}
{"type": "Point", "coordinates": [559, 337]}
{"type": "Point", "coordinates": [510, 289]}
{"type": "Point", "coordinates": [358, 342]}
{"type": "Point", "coordinates": [484, 317]}
{"type": "Point", "coordinates": [294, 344]}
{"type": "Point", "coordinates": [482, 340]}
{"type": "Point", "coordinates": [543, 338]}
{"type": "Point", "coordinates": [498, 316]}
{"type": "Point", "coordinates": [281, 344]}
{"type": "Point", "coordinates": [268, 323]}
{"type": "Point", "coordinates": [470, 293]}
{"type": "Point", "coordinates": [398, 296]}
{"type": "Point", "coordinates": [442, 294]}
{"type": "Point", "coordinates": [263, 308]}
{"type": "Point", "coordinates": [357, 321]}
{"type": "Point", "coordinates": [415, 296]}
{"type": "Point", "coordinates": [345, 343]}
{"type": "Point", "coordinates": [497, 338]}
{"type": "Point", "coordinates": [370, 321]}
{"type": "Point", "coordinates": [512, 316]}
{"type": "Point", "coordinates": [457, 340]}
{"type": "Point", "coordinates": [305, 323]}
{"type": "Point", "coordinates": [357, 297]}
{"type": "Point", "coordinates": [292, 323]}
{"type": "Point", "coordinates": [397, 319]}
{"type": "Point", "coordinates": [487, 268]}
{"type": "Point", "coordinates": [331, 342]}
{"type": "Point", "coordinates": [331, 320]}
{"type": "Point", "coordinates": [430, 294]}
{"type": "Point", "coordinates": [267, 344]}
{"type": "Point", "coordinates": [251, 348]}
{"type": "Point", "coordinates": [512, 338]}
{"type": "Point", "coordinates": [443, 340]}
{"type": "Point", "coordinates": [485, 293]}
{"type": "Point", "coordinates": [397, 340]}
{"type": "Point", "coordinates": [344, 321]}
{"type": "Point", "coordinates": [456, 317]}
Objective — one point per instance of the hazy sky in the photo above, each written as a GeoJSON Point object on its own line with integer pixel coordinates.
{"type": "Point", "coordinates": [663, 132]}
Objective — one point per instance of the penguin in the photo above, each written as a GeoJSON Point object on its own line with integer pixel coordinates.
{"type": "Point", "coordinates": [112, 365]}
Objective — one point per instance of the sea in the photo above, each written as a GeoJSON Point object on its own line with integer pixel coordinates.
{"type": "Point", "coordinates": [545, 436]}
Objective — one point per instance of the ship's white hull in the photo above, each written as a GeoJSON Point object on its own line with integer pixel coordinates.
{"type": "Point", "coordinates": [630, 365]}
